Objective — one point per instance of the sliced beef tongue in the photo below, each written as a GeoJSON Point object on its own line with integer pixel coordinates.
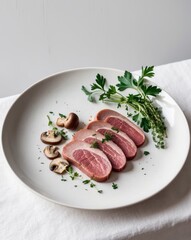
{"type": "Point", "coordinates": [122, 123]}
{"type": "Point", "coordinates": [93, 162]}
{"type": "Point", "coordinates": [121, 139]}
{"type": "Point", "coordinates": [111, 150]}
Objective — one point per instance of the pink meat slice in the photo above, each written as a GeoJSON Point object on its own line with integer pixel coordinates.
{"type": "Point", "coordinates": [93, 162]}
{"type": "Point", "coordinates": [111, 150]}
{"type": "Point", "coordinates": [122, 123]}
{"type": "Point", "coordinates": [121, 139]}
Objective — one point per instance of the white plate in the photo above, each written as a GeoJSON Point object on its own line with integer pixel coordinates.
{"type": "Point", "coordinates": [61, 93]}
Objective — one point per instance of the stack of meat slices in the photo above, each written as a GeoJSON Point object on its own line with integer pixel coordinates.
{"type": "Point", "coordinates": [104, 144]}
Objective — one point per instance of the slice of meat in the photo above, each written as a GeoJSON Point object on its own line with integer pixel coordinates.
{"type": "Point", "coordinates": [111, 150]}
{"type": "Point", "coordinates": [120, 138]}
{"type": "Point", "coordinates": [93, 162]}
{"type": "Point", "coordinates": [122, 123]}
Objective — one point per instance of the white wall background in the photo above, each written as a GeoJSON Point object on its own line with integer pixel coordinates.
{"type": "Point", "coordinates": [41, 37]}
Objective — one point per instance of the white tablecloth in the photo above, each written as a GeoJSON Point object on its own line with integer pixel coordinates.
{"type": "Point", "coordinates": [167, 215]}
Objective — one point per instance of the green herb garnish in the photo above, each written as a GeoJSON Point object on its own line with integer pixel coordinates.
{"type": "Point", "coordinates": [107, 138]}
{"type": "Point", "coordinates": [62, 115]}
{"type": "Point", "coordinates": [95, 144]}
{"type": "Point", "coordinates": [50, 123]}
{"type": "Point", "coordinates": [73, 175]}
{"type": "Point", "coordinates": [146, 153]}
{"type": "Point", "coordinates": [92, 185]}
{"type": "Point", "coordinates": [115, 129]}
{"type": "Point", "coordinates": [87, 181]}
{"type": "Point", "coordinates": [146, 115]}
{"type": "Point", "coordinates": [63, 179]}
{"type": "Point", "coordinates": [56, 130]}
{"type": "Point", "coordinates": [114, 186]}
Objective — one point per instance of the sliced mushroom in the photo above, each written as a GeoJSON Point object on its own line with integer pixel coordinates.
{"type": "Point", "coordinates": [51, 152]}
{"type": "Point", "coordinates": [50, 137]}
{"type": "Point", "coordinates": [71, 122]}
{"type": "Point", "coordinates": [60, 122]}
{"type": "Point", "coordinates": [58, 165]}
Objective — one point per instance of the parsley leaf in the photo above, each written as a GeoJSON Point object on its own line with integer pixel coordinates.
{"type": "Point", "coordinates": [126, 81]}
{"type": "Point", "coordinates": [100, 82]}
{"type": "Point", "coordinates": [151, 90]}
{"type": "Point", "coordinates": [148, 71]}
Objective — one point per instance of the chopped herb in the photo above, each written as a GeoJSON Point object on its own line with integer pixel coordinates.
{"type": "Point", "coordinates": [107, 138]}
{"type": "Point", "coordinates": [63, 134]}
{"type": "Point", "coordinates": [94, 134]}
{"type": "Point", "coordinates": [92, 185]}
{"type": "Point", "coordinates": [63, 179]}
{"type": "Point", "coordinates": [100, 191]}
{"type": "Point", "coordinates": [114, 186]}
{"type": "Point", "coordinates": [73, 175]}
{"type": "Point", "coordinates": [87, 181]}
{"type": "Point", "coordinates": [146, 153]}
{"type": "Point", "coordinates": [76, 174]}
{"type": "Point", "coordinates": [51, 113]}
{"type": "Point", "coordinates": [146, 114]}
{"type": "Point", "coordinates": [115, 129]}
{"type": "Point", "coordinates": [62, 115]}
{"type": "Point", "coordinates": [70, 169]}
{"type": "Point", "coordinates": [95, 144]}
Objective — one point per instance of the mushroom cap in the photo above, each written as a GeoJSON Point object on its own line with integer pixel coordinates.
{"type": "Point", "coordinates": [50, 137]}
{"type": "Point", "coordinates": [51, 152]}
{"type": "Point", "coordinates": [72, 121]}
{"type": "Point", "coordinates": [58, 165]}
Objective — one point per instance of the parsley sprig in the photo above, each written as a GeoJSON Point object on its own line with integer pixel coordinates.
{"type": "Point", "coordinates": [146, 114]}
